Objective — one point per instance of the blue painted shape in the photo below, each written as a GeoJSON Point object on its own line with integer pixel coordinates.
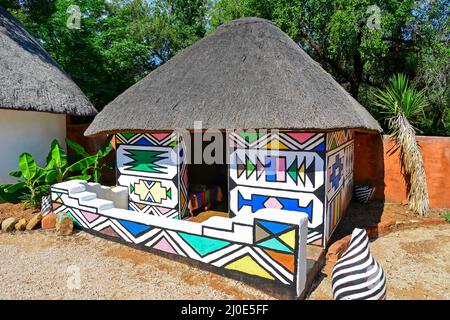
{"type": "Point", "coordinates": [320, 147]}
{"type": "Point", "coordinates": [257, 202]}
{"type": "Point", "coordinates": [275, 244]}
{"type": "Point", "coordinates": [143, 142]}
{"type": "Point", "coordinates": [133, 227]}
{"type": "Point", "coordinates": [274, 227]}
{"type": "Point", "coordinates": [203, 245]}
{"type": "Point", "coordinates": [271, 173]}
{"type": "Point", "coordinates": [336, 172]}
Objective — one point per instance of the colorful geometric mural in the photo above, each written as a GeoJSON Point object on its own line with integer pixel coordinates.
{"type": "Point", "coordinates": [268, 246]}
{"type": "Point", "coordinates": [183, 182]}
{"type": "Point", "coordinates": [149, 166]}
{"type": "Point", "coordinates": [339, 177]}
{"type": "Point", "coordinates": [305, 172]}
{"type": "Point", "coordinates": [338, 138]}
{"type": "Point", "coordinates": [280, 171]}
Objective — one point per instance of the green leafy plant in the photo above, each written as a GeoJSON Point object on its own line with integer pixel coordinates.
{"type": "Point", "coordinates": [35, 181]}
{"type": "Point", "coordinates": [402, 104]}
{"type": "Point", "coordinates": [92, 165]}
{"type": "Point", "coordinates": [446, 216]}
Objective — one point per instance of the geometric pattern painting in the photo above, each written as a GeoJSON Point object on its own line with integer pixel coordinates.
{"type": "Point", "coordinates": [265, 247]}
{"type": "Point", "coordinates": [183, 178]}
{"type": "Point", "coordinates": [339, 177]}
{"type": "Point", "coordinates": [306, 172]}
{"type": "Point", "coordinates": [280, 170]}
{"type": "Point", "coordinates": [148, 165]}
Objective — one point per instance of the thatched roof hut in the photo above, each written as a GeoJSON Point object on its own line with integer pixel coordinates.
{"type": "Point", "coordinates": [248, 74]}
{"type": "Point", "coordinates": [30, 79]}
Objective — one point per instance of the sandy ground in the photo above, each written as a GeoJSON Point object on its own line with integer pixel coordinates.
{"type": "Point", "coordinates": [40, 265]}
{"type": "Point", "coordinates": [416, 262]}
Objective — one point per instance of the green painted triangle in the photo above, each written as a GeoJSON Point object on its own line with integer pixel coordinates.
{"type": "Point", "coordinates": [203, 245]}
{"type": "Point", "coordinates": [128, 136]}
{"type": "Point", "coordinates": [333, 144]}
{"type": "Point", "coordinates": [169, 193]}
{"type": "Point", "coordinates": [292, 170]}
{"type": "Point", "coordinates": [250, 166]}
{"type": "Point", "coordinates": [251, 136]}
{"type": "Point", "coordinates": [173, 144]}
{"type": "Point", "coordinates": [131, 188]}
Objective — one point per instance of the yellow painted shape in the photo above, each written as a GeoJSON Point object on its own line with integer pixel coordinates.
{"type": "Point", "coordinates": [288, 238]}
{"type": "Point", "coordinates": [158, 192]}
{"type": "Point", "coordinates": [141, 190]}
{"type": "Point", "coordinates": [301, 172]}
{"type": "Point", "coordinates": [276, 144]}
{"type": "Point", "coordinates": [248, 265]}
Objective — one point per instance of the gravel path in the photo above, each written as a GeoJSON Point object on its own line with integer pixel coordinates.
{"type": "Point", "coordinates": [416, 262]}
{"type": "Point", "coordinates": [40, 265]}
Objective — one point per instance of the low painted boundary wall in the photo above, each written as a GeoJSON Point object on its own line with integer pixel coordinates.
{"type": "Point", "coordinates": [266, 249]}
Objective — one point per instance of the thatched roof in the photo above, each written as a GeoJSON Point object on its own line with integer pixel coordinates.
{"type": "Point", "coordinates": [30, 79]}
{"type": "Point", "coordinates": [248, 74]}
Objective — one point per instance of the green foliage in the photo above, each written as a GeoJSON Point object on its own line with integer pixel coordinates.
{"type": "Point", "coordinates": [446, 216]}
{"type": "Point", "coordinates": [121, 41]}
{"type": "Point", "coordinates": [35, 181]}
{"type": "Point", "coordinates": [401, 104]}
{"type": "Point", "coordinates": [91, 165]}
{"type": "Point", "coordinates": [412, 39]}
{"type": "Point", "coordinates": [400, 99]}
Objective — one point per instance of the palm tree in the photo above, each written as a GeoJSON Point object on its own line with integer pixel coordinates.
{"type": "Point", "coordinates": [401, 104]}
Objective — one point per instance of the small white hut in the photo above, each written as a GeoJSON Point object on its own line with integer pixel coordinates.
{"type": "Point", "coordinates": [35, 96]}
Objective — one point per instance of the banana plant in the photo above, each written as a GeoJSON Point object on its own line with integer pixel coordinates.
{"type": "Point", "coordinates": [92, 165]}
{"type": "Point", "coordinates": [33, 180]}
{"type": "Point", "coordinates": [57, 168]}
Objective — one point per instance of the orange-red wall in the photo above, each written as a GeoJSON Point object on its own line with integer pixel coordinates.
{"type": "Point", "coordinates": [377, 161]}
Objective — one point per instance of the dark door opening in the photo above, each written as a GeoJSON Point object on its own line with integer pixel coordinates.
{"type": "Point", "coordinates": [208, 183]}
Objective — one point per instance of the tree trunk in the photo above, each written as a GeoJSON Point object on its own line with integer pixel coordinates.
{"type": "Point", "coordinates": [412, 163]}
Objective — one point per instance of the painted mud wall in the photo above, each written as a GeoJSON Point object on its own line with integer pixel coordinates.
{"type": "Point", "coordinates": [377, 161]}
{"type": "Point", "coordinates": [152, 167]}
{"type": "Point", "coordinates": [245, 246]}
{"type": "Point", "coordinates": [297, 171]}
{"type": "Point", "coordinates": [27, 131]}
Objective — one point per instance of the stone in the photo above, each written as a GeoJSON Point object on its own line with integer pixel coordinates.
{"type": "Point", "coordinates": [34, 222]}
{"type": "Point", "coordinates": [21, 225]}
{"type": "Point", "coordinates": [8, 224]}
{"type": "Point", "coordinates": [49, 221]}
{"type": "Point", "coordinates": [64, 224]}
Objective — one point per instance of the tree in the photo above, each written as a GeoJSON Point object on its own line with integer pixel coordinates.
{"type": "Point", "coordinates": [342, 36]}
{"type": "Point", "coordinates": [119, 41]}
{"type": "Point", "coordinates": [401, 104]}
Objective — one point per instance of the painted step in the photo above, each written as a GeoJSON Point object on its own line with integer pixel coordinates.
{"type": "Point", "coordinates": [100, 204]}
{"type": "Point", "coordinates": [85, 195]}
{"type": "Point", "coordinates": [73, 186]}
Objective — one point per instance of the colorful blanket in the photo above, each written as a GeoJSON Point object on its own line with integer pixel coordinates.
{"type": "Point", "coordinates": [203, 197]}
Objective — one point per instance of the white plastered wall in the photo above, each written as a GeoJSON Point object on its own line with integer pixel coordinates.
{"type": "Point", "coordinates": [27, 131]}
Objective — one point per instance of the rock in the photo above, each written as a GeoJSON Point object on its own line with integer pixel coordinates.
{"type": "Point", "coordinates": [21, 225]}
{"type": "Point", "coordinates": [49, 221]}
{"type": "Point", "coordinates": [8, 224]}
{"type": "Point", "coordinates": [34, 222]}
{"type": "Point", "coordinates": [64, 224]}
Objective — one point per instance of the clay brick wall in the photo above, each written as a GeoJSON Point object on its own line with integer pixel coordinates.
{"type": "Point", "coordinates": [377, 161]}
